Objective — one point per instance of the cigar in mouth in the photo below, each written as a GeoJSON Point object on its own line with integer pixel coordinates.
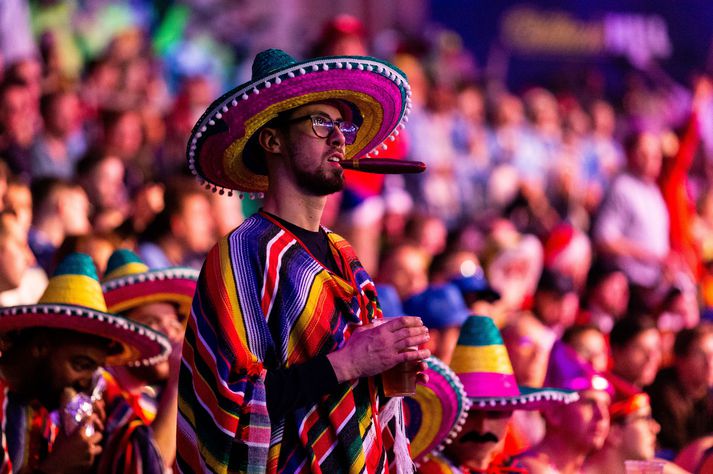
{"type": "Point", "coordinates": [384, 165]}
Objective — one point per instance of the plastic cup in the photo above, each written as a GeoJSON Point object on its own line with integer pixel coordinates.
{"type": "Point", "coordinates": [644, 467]}
{"type": "Point", "coordinates": [400, 380]}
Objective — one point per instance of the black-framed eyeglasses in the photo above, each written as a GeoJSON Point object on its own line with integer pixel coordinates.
{"type": "Point", "coordinates": [324, 126]}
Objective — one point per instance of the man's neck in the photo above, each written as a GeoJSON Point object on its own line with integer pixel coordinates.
{"type": "Point", "coordinates": [608, 459]}
{"type": "Point", "coordinates": [295, 207]}
{"type": "Point", "coordinates": [562, 454]}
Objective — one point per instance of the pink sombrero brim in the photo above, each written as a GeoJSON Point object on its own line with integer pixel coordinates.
{"type": "Point", "coordinates": [377, 89]}
{"type": "Point", "coordinates": [141, 345]}
{"type": "Point", "coordinates": [174, 285]}
{"type": "Point", "coordinates": [437, 411]}
{"type": "Point", "coordinates": [529, 399]}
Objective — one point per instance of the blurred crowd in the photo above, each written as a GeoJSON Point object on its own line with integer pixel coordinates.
{"type": "Point", "coordinates": [563, 214]}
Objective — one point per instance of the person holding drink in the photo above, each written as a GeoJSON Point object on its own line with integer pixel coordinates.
{"type": "Point", "coordinates": [281, 359]}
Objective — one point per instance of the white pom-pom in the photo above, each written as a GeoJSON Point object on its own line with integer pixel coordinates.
{"type": "Point", "coordinates": [360, 67]}
{"type": "Point", "coordinates": [267, 84]}
{"type": "Point", "coordinates": [340, 65]}
{"type": "Point", "coordinates": [204, 128]}
{"type": "Point", "coordinates": [325, 68]}
{"type": "Point", "coordinates": [315, 67]}
{"type": "Point", "coordinates": [224, 109]}
{"type": "Point", "coordinates": [290, 74]}
{"type": "Point", "coordinates": [278, 80]}
{"type": "Point", "coordinates": [255, 91]}
{"type": "Point", "coordinates": [349, 66]}
{"type": "Point", "coordinates": [235, 102]}
{"type": "Point", "coordinates": [211, 122]}
{"type": "Point", "coordinates": [219, 116]}
{"type": "Point", "coordinates": [302, 70]}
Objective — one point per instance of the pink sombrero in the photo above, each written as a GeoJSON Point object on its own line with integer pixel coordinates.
{"type": "Point", "coordinates": [128, 283]}
{"type": "Point", "coordinates": [435, 414]}
{"type": "Point", "coordinates": [73, 300]}
{"type": "Point", "coordinates": [376, 91]}
{"type": "Point", "coordinates": [483, 365]}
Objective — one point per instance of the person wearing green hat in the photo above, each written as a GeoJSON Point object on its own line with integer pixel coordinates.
{"type": "Point", "coordinates": [278, 368]}
{"type": "Point", "coordinates": [50, 352]}
{"type": "Point", "coordinates": [142, 402]}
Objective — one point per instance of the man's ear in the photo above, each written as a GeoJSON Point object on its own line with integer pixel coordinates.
{"type": "Point", "coordinates": [270, 140]}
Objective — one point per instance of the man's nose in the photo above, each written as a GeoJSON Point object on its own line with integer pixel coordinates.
{"type": "Point", "coordinates": [337, 137]}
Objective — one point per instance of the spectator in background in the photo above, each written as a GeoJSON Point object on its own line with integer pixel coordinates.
{"type": "Point", "coordinates": [681, 398]}
{"type": "Point", "coordinates": [513, 264]}
{"type": "Point", "coordinates": [636, 349]}
{"type": "Point", "coordinates": [606, 295]}
{"type": "Point", "coordinates": [98, 245]}
{"type": "Point", "coordinates": [576, 430]}
{"type": "Point", "coordinates": [589, 343]}
{"type": "Point", "coordinates": [59, 209]}
{"type": "Point", "coordinates": [102, 177]}
{"type": "Point", "coordinates": [18, 198]}
{"type": "Point", "coordinates": [556, 301]}
{"type": "Point", "coordinates": [17, 126]}
{"type": "Point", "coordinates": [182, 233]}
{"type": "Point", "coordinates": [632, 434]}
{"type": "Point", "coordinates": [528, 343]}
{"type": "Point", "coordinates": [568, 251]}
{"type": "Point", "coordinates": [633, 222]}
{"type": "Point", "coordinates": [142, 402]}
{"type": "Point", "coordinates": [405, 267]}
{"type": "Point", "coordinates": [123, 136]}
{"type": "Point", "coordinates": [15, 255]}
{"type": "Point", "coordinates": [60, 144]}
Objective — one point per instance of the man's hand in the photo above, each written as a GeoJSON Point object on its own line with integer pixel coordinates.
{"type": "Point", "coordinates": [75, 453]}
{"type": "Point", "coordinates": [372, 350]}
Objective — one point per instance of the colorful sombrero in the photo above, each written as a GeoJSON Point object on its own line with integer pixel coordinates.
{"type": "Point", "coordinates": [483, 365]}
{"type": "Point", "coordinates": [376, 92]}
{"type": "Point", "coordinates": [436, 413]}
{"type": "Point", "coordinates": [73, 300]}
{"type": "Point", "coordinates": [128, 283]}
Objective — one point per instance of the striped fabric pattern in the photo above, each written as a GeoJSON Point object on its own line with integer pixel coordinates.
{"type": "Point", "coordinates": [28, 432]}
{"type": "Point", "coordinates": [263, 302]}
{"type": "Point", "coordinates": [128, 445]}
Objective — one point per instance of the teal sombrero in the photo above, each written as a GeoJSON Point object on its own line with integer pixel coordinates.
{"type": "Point", "coordinates": [436, 412]}
{"type": "Point", "coordinates": [128, 283]}
{"type": "Point", "coordinates": [74, 301]}
{"type": "Point", "coordinates": [376, 92]}
{"type": "Point", "coordinates": [483, 365]}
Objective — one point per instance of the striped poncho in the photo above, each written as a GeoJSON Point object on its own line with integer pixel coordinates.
{"type": "Point", "coordinates": [28, 432]}
{"type": "Point", "coordinates": [263, 302]}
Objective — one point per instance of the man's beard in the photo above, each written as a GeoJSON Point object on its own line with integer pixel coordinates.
{"type": "Point", "coordinates": [320, 182]}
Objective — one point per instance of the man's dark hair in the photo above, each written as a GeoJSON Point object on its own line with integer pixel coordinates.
{"type": "Point", "coordinates": [628, 328]}
{"type": "Point", "coordinates": [177, 191]}
{"type": "Point", "coordinates": [689, 336]}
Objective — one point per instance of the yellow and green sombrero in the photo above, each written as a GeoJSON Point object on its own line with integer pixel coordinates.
{"type": "Point", "coordinates": [74, 301]}
{"type": "Point", "coordinates": [377, 93]}
{"type": "Point", "coordinates": [129, 283]}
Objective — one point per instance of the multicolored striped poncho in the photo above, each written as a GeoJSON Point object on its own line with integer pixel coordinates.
{"type": "Point", "coordinates": [128, 445]}
{"type": "Point", "coordinates": [28, 432]}
{"type": "Point", "coordinates": [263, 302]}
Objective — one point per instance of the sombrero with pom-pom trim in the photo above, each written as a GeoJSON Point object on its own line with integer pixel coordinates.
{"type": "Point", "coordinates": [377, 93]}
{"type": "Point", "coordinates": [436, 412]}
{"type": "Point", "coordinates": [483, 365]}
{"type": "Point", "coordinates": [129, 283]}
{"type": "Point", "coordinates": [74, 301]}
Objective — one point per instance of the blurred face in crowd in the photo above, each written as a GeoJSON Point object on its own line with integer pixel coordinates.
{"type": "Point", "coordinates": [108, 183]}
{"type": "Point", "coordinates": [640, 359]}
{"type": "Point", "coordinates": [528, 343]}
{"type": "Point", "coordinates": [612, 294]}
{"type": "Point", "coordinates": [647, 157]}
{"type": "Point", "coordinates": [557, 310]}
{"type": "Point", "coordinates": [19, 200]}
{"type": "Point", "coordinates": [163, 317]}
{"type": "Point", "coordinates": [591, 346]}
{"type": "Point", "coordinates": [695, 369]}
{"type": "Point", "coordinates": [126, 136]}
{"type": "Point", "coordinates": [482, 436]}
{"type": "Point", "coordinates": [16, 117]}
{"type": "Point", "coordinates": [585, 423]}
{"type": "Point", "coordinates": [15, 255]}
{"type": "Point", "coordinates": [194, 225]}
{"type": "Point", "coordinates": [73, 209]}
{"type": "Point", "coordinates": [635, 435]}
{"type": "Point", "coordinates": [64, 115]}
{"type": "Point", "coordinates": [407, 270]}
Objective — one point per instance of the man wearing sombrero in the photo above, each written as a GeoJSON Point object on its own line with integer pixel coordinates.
{"type": "Point", "coordinates": [51, 350]}
{"type": "Point", "coordinates": [142, 402]}
{"type": "Point", "coordinates": [482, 365]}
{"type": "Point", "coordinates": [274, 376]}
